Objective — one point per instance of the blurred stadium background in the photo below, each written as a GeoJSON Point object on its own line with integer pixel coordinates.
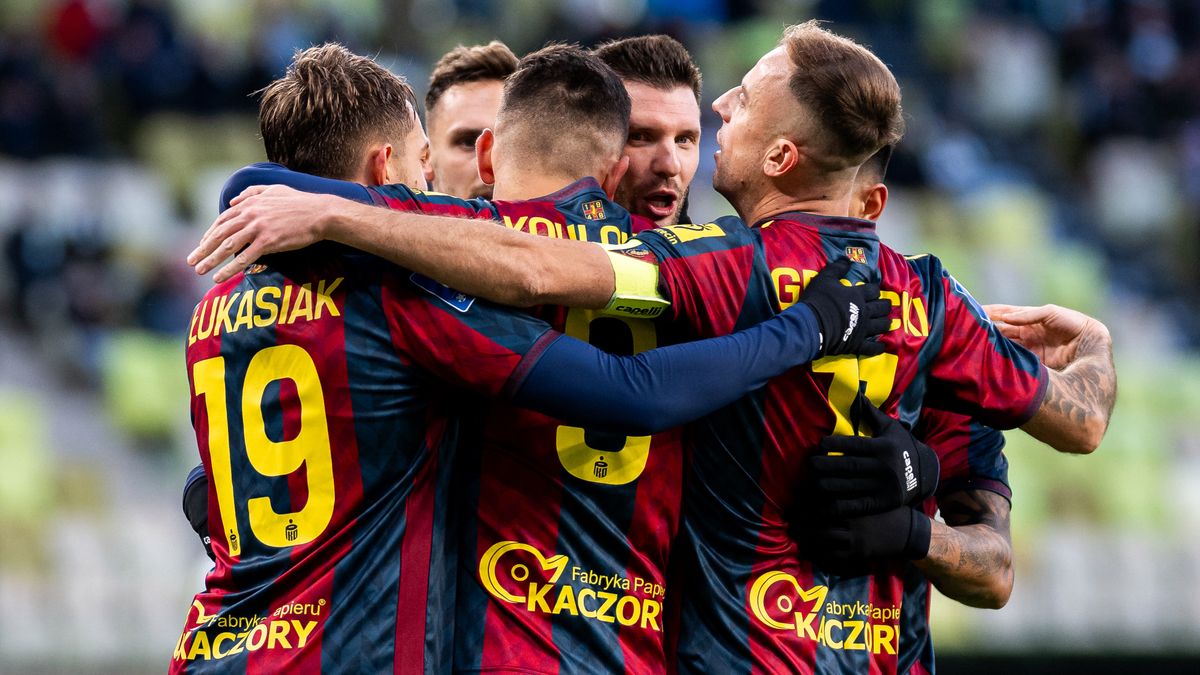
{"type": "Point", "coordinates": [1053, 155]}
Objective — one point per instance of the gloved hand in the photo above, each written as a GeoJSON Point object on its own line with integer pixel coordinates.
{"type": "Point", "coordinates": [902, 532]}
{"type": "Point", "coordinates": [195, 506]}
{"type": "Point", "coordinates": [848, 315]}
{"type": "Point", "coordinates": [872, 475]}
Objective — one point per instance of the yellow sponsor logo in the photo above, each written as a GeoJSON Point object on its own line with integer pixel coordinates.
{"type": "Point", "coordinates": [216, 636]}
{"type": "Point", "coordinates": [519, 574]}
{"type": "Point", "coordinates": [781, 603]}
{"type": "Point", "coordinates": [679, 234]}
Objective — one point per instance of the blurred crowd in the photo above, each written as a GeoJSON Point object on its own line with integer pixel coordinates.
{"type": "Point", "coordinates": [1052, 155]}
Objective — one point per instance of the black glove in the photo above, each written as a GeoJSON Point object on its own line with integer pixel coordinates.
{"type": "Point", "coordinates": [872, 475]}
{"type": "Point", "coordinates": [903, 532]}
{"type": "Point", "coordinates": [848, 315]}
{"type": "Point", "coordinates": [195, 506]}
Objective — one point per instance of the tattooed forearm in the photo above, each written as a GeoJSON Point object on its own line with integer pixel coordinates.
{"type": "Point", "coordinates": [1079, 398]}
{"type": "Point", "coordinates": [970, 557]}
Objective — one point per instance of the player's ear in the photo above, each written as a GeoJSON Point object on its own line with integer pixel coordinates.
{"type": "Point", "coordinates": [483, 156]}
{"type": "Point", "coordinates": [612, 179]}
{"type": "Point", "coordinates": [378, 172]}
{"type": "Point", "coordinates": [872, 201]}
{"type": "Point", "coordinates": [782, 157]}
{"type": "Point", "coordinates": [427, 165]}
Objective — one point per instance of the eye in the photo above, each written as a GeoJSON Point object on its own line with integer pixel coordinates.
{"type": "Point", "coordinates": [637, 137]}
{"type": "Point", "coordinates": [686, 139]}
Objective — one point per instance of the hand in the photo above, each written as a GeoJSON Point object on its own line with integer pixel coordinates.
{"type": "Point", "coordinates": [872, 474]}
{"type": "Point", "coordinates": [195, 507]}
{"type": "Point", "coordinates": [902, 532]}
{"type": "Point", "coordinates": [848, 315]}
{"type": "Point", "coordinates": [261, 220]}
{"type": "Point", "coordinates": [1053, 333]}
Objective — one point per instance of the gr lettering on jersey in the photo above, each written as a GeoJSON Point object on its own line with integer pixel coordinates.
{"type": "Point", "coordinates": [608, 234]}
{"type": "Point", "coordinates": [262, 307]}
{"type": "Point", "coordinates": [519, 574]}
{"type": "Point", "coordinates": [789, 283]}
{"type": "Point", "coordinates": [779, 602]}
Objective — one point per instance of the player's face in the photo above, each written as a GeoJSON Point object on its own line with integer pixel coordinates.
{"type": "Point", "coordinates": [460, 115]}
{"type": "Point", "coordinates": [407, 163]}
{"type": "Point", "coordinates": [664, 150]}
{"type": "Point", "coordinates": [748, 127]}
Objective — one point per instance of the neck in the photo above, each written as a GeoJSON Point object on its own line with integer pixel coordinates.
{"type": "Point", "coordinates": [516, 185]}
{"type": "Point", "coordinates": [828, 201]}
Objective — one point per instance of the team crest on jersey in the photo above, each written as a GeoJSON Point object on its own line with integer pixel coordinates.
{"type": "Point", "coordinates": [857, 254]}
{"type": "Point", "coordinates": [459, 301]}
{"type": "Point", "coordinates": [594, 210]}
{"type": "Point", "coordinates": [256, 269]}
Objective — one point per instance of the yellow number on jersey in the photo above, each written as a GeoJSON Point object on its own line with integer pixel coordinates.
{"type": "Point", "coordinates": [310, 448]}
{"type": "Point", "coordinates": [576, 456]}
{"type": "Point", "coordinates": [877, 373]}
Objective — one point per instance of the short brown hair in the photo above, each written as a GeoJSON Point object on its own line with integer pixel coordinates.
{"type": "Point", "coordinates": [851, 94]}
{"type": "Point", "coordinates": [568, 107]}
{"type": "Point", "coordinates": [659, 61]}
{"type": "Point", "coordinates": [319, 117]}
{"type": "Point", "coordinates": [493, 61]}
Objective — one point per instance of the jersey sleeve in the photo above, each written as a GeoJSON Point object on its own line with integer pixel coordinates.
{"type": "Point", "coordinates": [703, 271]}
{"type": "Point", "coordinates": [974, 369]}
{"type": "Point", "coordinates": [460, 339]}
{"type": "Point", "coordinates": [269, 173]}
{"type": "Point", "coordinates": [399, 197]}
{"type": "Point", "coordinates": [971, 454]}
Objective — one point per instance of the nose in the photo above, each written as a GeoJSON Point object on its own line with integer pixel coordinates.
{"type": "Point", "coordinates": [721, 105]}
{"type": "Point", "coordinates": [666, 159]}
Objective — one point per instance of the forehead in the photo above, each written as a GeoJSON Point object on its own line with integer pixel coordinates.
{"type": "Point", "coordinates": [773, 68]}
{"type": "Point", "coordinates": [474, 100]}
{"type": "Point", "coordinates": [674, 108]}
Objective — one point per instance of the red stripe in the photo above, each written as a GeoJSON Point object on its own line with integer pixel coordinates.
{"type": "Point", "coordinates": [414, 556]}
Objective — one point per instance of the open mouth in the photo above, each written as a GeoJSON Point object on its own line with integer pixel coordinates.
{"type": "Point", "coordinates": [661, 203]}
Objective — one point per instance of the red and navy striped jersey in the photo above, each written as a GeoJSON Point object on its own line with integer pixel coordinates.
{"type": "Point", "coordinates": [325, 409]}
{"type": "Point", "coordinates": [565, 547]}
{"type": "Point", "coordinates": [749, 599]}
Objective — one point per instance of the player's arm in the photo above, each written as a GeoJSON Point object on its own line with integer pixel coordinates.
{"type": "Point", "coordinates": [270, 173]}
{"type": "Point", "coordinates": [970, 557]}
{"type": "Point", "coordinates": [195, 506]}
{"type": "Point", "coordinates": [500, 351]}
{"type": "Point", "coordinates": [1082, 386]}
{"type": "Point", "coordinates": [978, 371]}
{"type": "Point", "coordinates": [475, 257]}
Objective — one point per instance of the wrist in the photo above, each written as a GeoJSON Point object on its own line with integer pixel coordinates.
{"type": "Point", "coordinates": [920, 532]}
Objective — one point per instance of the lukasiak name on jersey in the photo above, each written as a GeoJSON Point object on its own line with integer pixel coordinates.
{"type": "Point", "coordinates": [262, 307]}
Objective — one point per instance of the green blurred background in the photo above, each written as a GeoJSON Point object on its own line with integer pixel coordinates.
{"type": "Point", "coordinates": [1053, 155]}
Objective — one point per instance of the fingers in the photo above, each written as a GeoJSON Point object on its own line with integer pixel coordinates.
{"type": "Point", "coordinates": [239, 263]}
{"type": "Point", "coordinates": [1018, 316]}
{"type": "Point", "coordinates": [249, 192]}
{"type": "Point", "coordinates": [875, 419]}
{"type": "Point", "coordinates": [836, 269]}
{"type": "Point", "coordinates": [858, 486]}
{"type": "Point", "coordinates": [871, 347]}
{"type": "Point", "coordinates": [225, 245]}
{"type": "Point", "coordinates": [853, 508]}
{"type": "Point", "coordinates": [842, 465]}
{"type": "Point", "coordinates": [843, 445]}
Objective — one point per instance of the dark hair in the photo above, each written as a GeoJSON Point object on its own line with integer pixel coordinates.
{"type": "Point", "coordinates": [852, 95]}
{"type": "Point", "coordinates": [329, 104]}
{"type": "Point", "coordinates": [566, 102]}
{"type": "Point", "coordinates": [659, 61]}
{"type": "Point", "coordinates": [493, 61]}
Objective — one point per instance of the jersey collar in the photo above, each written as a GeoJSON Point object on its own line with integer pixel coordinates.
{"type": "Point", "coordinates": [581, 186]}
{"type": "Point", "coordinates": [823, 222]}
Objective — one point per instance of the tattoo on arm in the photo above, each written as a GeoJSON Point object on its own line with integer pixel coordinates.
{"type": "Point", "coordinates": [970, 558]}
{"type": "Point", "coordinates": [1079, 398]}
